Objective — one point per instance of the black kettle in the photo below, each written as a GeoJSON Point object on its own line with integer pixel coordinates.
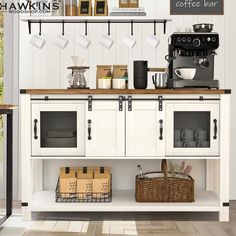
{"type": "Point", "coordinates": [140, 74]}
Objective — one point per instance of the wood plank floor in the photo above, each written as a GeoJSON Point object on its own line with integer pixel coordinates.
{"type": "Point", "coordinates": [117, 224]}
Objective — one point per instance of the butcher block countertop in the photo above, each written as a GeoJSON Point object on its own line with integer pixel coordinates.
{"type": "Point", "coordinates": [125, 91]}
{"type": "Point", "coordinates": [7, 107]}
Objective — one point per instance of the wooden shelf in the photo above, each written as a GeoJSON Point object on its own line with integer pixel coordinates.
{"type": "Point", "coordinates": [124, 201]}
{"type": "Point", "coordinates": [125, 91]}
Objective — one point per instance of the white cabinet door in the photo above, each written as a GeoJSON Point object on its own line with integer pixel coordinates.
{"type": "Point", "coordinates": [145, 129]}
{"type": "Point", "coordinates": [192, 128]}
{"type": "Point", "coordinates": [105, 129]}
{"type": "Point", "coordinates": [58, 129]}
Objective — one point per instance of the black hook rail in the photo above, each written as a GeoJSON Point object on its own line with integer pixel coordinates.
{"type": "Point", "coordinates": [97, 21]}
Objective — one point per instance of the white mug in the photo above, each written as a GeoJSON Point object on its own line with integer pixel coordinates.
{"type": "Point", "coordinates": [106, 42]}
{"type": "Point", "coordinates": [38, 41]}
{"type": "Point", "coordinates": [152, 41]}
{"type": "Point", "coordinates": [83, 41]}
{"type": "Point", "coordinates": [185, 73]}
{"type": "Point", "coordinates": [104, 83]}
{"type": "Point", "coordinates": [129, 41]}
{"type": "Point", "coordinates": [201, 135]}
{"type": "Point", "coordinates": [119, 83]}
{"type": "Point", "coordinates": [61, 42]}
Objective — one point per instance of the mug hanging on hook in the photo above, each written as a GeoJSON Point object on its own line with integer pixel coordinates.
{"type": "Point", "coordinates": [152, 40]}
{"type": "Point", "coordinates": [38, 41]}
{"type": "Point", "coordinates": [61, 42]}
{"type": "Point", "coordinates": [129, 40]}
{"type": "Point", "coordinates": [83, 40]}
{"type": "Point", "coordinates": [106, 42]}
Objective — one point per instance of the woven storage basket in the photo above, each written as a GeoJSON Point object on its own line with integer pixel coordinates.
{"type": "Point", "coordinates": [164, 186]}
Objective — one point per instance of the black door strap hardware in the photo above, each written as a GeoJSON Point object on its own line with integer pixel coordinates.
{"type": "Point", "coordinates": [121, 99]}
{"type": "Point", "coordinates": [90, 99]}
{"type": "Point", "coordinates": [160, 99]}
{"type": "Point", "coordinates": [129, 103]}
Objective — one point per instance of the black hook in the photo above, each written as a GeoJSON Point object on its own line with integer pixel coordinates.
{"type": "Point", "coordinates": [86, 27]}
{"type": "Point", "coordinates": [29, 26]}
{"type": "Point", "coordinates": [63, 28]}
{"type": "Point", "coordinates": [155, 28]}
{"type": "Point", "coordinates": [132, 28]}
{"type": "Point", "coordinates": [165, 26]}
{"type": "Point", "coordinates": [40, 28]}
{"type": "Point", "coordinates": [109, 28]}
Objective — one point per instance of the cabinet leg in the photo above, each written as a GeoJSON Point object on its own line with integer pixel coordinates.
{"type": "Point", "coordinates": [26, 214]}
{"type": "Point", "coordinates": [224, 214]}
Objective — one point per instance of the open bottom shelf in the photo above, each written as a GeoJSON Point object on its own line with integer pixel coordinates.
{"type": "Point", "coordinates": [124, 201]}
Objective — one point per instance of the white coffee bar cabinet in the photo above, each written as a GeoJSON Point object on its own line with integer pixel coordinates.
{"type": "Point", "coordinates": [121, 129]}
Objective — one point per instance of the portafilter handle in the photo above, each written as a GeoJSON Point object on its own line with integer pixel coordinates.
{"type": "Point", "coordinates": [202, 62]}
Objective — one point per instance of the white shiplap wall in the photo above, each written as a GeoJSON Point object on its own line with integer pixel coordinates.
{"type": "Point", "coordinates": [47, 68]}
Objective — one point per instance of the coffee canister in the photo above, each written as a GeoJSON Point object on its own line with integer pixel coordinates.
{"type": "Point", "coordinates": [140, 74]}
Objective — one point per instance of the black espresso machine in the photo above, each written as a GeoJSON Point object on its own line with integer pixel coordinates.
{"type": "Point", "coordinates": [192, 50]}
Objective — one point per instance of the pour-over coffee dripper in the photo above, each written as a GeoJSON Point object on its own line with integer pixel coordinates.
{"type": "Point", "coordinates": [77, 79]}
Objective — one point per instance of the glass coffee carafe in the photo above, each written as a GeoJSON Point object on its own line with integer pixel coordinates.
{"type": "Point", "coordinates": [77, 78]}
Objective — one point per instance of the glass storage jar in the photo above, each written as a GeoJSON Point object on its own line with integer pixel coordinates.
{"type": "Point", "coordinates": [71, 7]}
{"type": "Point", "coordinates": [60, 6]}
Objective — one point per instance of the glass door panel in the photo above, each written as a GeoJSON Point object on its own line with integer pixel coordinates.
{"type": "Point", "coordinates": [192, 129]}
{"type": "Point", "coordinates": [58, 129]}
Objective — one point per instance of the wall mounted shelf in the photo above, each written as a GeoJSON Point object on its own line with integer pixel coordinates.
{"type": "Point", "coordinates": [93, 20]}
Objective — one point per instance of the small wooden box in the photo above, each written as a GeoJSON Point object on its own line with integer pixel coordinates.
{"type": "Point", "coordinates": [100, 8]}
{"type": "Point", "coordinates": [85, 8]}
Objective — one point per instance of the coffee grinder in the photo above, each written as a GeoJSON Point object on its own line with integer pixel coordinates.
{"type": "Point", "coordinates": [192, 50]}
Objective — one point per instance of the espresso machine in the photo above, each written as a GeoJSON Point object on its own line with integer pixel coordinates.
{"type": "Point", "coordinates": [194, 51]}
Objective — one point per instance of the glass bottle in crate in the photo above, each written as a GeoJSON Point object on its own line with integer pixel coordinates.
{"type": "Point", "coordinates": [60, 6]}
{"type": "Point", "coordinates": [123, 3]}
{"type": "Point", "coordinates": [134, 3]}
{"type": "Point", "coordinates": [71, 7]}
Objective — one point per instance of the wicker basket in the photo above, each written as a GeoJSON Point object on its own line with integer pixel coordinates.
{"type": "Point", "coordinates": [164, 187]}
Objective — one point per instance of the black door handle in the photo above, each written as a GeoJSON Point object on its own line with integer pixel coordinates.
{"type": "Point", "coordinates": [161, 129]}
{"type": "Point", "coordinates": [89, 129]}
{"type": "Point", "coordinates": [215, 129]}
{"type": "Point", "coordinates": [35, 129]}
